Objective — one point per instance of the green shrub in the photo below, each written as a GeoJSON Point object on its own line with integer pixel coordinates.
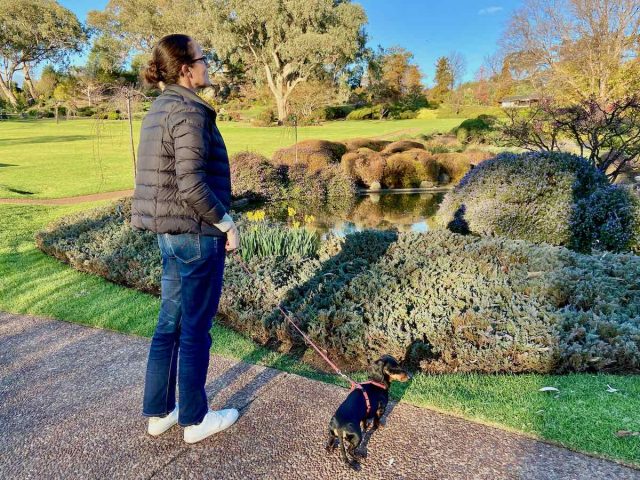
{"type": "Point", "coordinates": [608, 219]}
{"type": "Point", "coordinates": [315, 154]}
{"type": "Point", "coordinates": [367, 113]}
{"type": "Point", "coordinates": [265, 118]}
{"type": "Point", "coordinates": [254, 176]}
{"type": "Point", "coordinates": [86, 111]}
{"type": "Point", "coordinates": [404, 114]}
{"type": "Point", "coordinates": [478, 130]}
{"type": "Point", "coordinates": [427, 114]}
{"type": "Point", "coordinates": [442, 301]}
{"type": "Point", "coordinates": [336, 112]}
{"type": "Point", "coordinates": [541, 197]}
{"type": "Point", "coordinates": [102, 242]}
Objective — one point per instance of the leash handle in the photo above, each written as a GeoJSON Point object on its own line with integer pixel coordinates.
{"type": "Point", "coordinates": [307, 340]}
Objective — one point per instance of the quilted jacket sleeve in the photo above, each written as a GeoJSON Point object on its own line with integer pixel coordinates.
{"type": "Point", "coordinates": [189, 129]}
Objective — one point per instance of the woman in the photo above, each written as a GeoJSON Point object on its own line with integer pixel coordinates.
{"type": "Point", "coordinates": [183, 194]}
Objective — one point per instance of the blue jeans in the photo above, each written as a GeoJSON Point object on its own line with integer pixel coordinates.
{"type": "Point", "coordinates": [192, 269]}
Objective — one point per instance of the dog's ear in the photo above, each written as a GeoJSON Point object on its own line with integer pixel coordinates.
{"type": "Point", "coordinates": [377, 370]}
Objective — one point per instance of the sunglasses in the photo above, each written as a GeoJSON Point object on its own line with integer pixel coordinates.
{"type": "Point", "coordinates": [204, 60]}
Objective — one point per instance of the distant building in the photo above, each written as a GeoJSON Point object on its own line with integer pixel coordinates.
{"type": "Point", "coordinates": [519, 101]}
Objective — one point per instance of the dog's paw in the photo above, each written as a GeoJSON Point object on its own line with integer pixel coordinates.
{"type": "Point", "coordinates": [330, 447]}
{"type": "Point", "coordinates": [360, 455]}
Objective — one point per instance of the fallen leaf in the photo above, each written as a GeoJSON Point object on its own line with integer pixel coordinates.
{"type": "Point", "coordinates": [627, 433]}
{"type": "Point", "coordinates": [548, 389]}
{"type": "Point", "coordinates": [610, 389]}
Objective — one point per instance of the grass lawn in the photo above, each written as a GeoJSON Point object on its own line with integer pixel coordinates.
{"type": "Point", "coordinates": [582, 416]}
{"type": "Point", "coordinates": [39, 159]}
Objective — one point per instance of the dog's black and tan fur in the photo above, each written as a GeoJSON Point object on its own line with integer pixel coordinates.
{"type": "Point", "coordinates": [349, 422]}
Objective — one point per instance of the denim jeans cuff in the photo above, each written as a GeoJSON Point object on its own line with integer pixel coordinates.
{"type": "Point", "coordinates": [144, 414]}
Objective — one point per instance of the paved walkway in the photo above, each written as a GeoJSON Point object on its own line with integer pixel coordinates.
{"type": "Point", "coordinates": [69, 200]}
{"type": "Point", "coordinates": [70, 408]}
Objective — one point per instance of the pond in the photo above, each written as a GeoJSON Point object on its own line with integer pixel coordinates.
{"type": "Point", "coordinates": [404, 212]}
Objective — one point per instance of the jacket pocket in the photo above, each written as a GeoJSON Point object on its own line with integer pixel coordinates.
{"type": "Point", "coordinates": [184, 246]}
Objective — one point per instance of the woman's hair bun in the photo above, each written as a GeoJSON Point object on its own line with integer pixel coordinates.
{"type": "Point", "coordinates": [152, 74]}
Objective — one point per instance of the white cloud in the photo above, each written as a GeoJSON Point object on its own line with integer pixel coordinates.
{"type": "Point", "coordinates": [489, 10]}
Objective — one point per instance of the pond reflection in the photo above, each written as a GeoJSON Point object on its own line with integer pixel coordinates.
{"type": "Point", "coordinates": [404, 212]}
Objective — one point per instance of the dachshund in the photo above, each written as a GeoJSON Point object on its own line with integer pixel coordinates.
{"type": "Point", "coordinates": [367, 402]}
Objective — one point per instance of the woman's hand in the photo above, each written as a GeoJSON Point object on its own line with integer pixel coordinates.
{"type": "Point", "coordinates": [233, 239]}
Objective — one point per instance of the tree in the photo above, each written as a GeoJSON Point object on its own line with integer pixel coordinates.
{"type": "Point", "coordinates": [458, 66]}
{"type": "Point", "coordinates": [481, 88]}
{"type": "Point", "coordinates": [32, 31]}
{"type": "Point", "coordinates": [444, 80]}
{"type": "Point", "coordinates": [107, 58]}
{"type": "Point", "coordinates": [139, 24]}
{"type": "Point", "coordinates": [49, 79]}
{"type": "Point", "coordinates": [607, 134]}
{"type": "Point", "coordinates": [130, 28]}
{"type": "Point", "coordinates": [291, 41]}
{"type": "Point", "coordinates": [576, 48]}
{"type": "Point", "coordinates": [392, 78]}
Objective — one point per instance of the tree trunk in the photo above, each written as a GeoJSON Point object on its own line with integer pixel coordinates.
{"type": "Point", "coordinates": [6, 91]}
{"type": "Point", "coordinates": [29, 82]}
{"type": "Point", "coordinates": [282, 107]}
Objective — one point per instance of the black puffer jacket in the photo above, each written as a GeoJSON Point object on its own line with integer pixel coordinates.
{"type": "Point", "coordinates": [183, 183]}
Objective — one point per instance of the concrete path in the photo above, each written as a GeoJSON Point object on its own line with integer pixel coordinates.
{"type": "Point", "coordinates": [70, 408]}
{"type": "Point", "coordinates": [68, 200]}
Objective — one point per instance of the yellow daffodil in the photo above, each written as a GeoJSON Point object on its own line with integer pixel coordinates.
{"type": "Point", "coordinates": [291, 211]}
{"type": "Point", "coordinates": [256, 215]}
{"type": "Point", "coordinates": [296, 224]}
{"type": "Point", "coordinates": [309, 219]}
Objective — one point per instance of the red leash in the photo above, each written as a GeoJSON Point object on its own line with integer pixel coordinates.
{"type": "Point", "coordinates": [354, 384]}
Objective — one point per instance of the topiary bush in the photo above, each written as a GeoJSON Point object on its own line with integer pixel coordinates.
{"type": "Point", "coordinates": [364, 165]}
{"type": "Point", "coordinates": [442, 301]}
{"type": "Point", "coordinates": [454, 165]}
{"type": "Point", "coordinates": [479, 130]}
{"type": "Point", "coordinates": [401, 146]}
{"type": "Point", "coordinates": [253, 176]}
{"type": "Point", "coordinates": [319, 185]}
{"type": "Point", "coordinates": [541, 197]}
{"type": "Point", "coordinates": [409, 169]}
{"type": "Point", "coordinates": [401, 171]}
{"type": "Point", "coordinates": [315, 154]}
{"type": "Point", "coordinates": [353, 144]}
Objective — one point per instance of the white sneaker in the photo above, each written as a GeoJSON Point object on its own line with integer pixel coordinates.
{"type": "Point", "coordinates": [159, 425]}
{"type": "Point", "coordinates": [213, 422]}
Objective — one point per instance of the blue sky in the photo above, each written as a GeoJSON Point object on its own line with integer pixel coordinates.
{"type": "Point", "coordinates": [428, 28]}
